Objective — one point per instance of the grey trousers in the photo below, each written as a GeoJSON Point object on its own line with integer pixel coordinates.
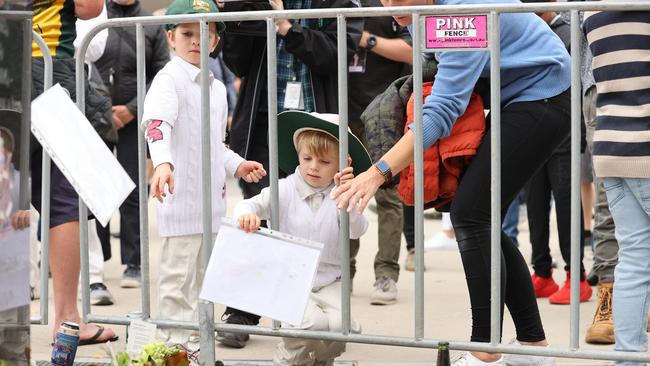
{"type": "Point", "coordinates": [389, 238]}
{"type": "Point", "coordinates": [605, 244]}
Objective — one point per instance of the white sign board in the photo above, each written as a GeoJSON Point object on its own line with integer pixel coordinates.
{"type": "Point", "coordinates": [266, 273]}
{"type": "Point", "coordinates": [79, 152]}
{"type": "Point", "coordinates": [14, 267]}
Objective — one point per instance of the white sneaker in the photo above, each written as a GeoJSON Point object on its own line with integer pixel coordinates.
{"type": "Point", "coordinates": [440, 242]}
{"type": "Point", "coordinates": [527, 360]}
{"type": "Point", "coordinates": [467, 359]}
{"type": "Point", "coordinates": [385, 292]}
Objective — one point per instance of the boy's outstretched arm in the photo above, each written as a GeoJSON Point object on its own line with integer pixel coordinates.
{"type": "Point", "coordinates": [249, 213]}
{"type": "Point", "coordinates": [158, 134]}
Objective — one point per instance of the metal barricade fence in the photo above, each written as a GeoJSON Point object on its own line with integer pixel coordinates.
{"type": "Point", "coordinates": [25, 18]}
{"type": "Point", "coordinates": [206, 324]}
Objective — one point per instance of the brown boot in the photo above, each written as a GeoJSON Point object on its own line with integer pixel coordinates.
{"type": "Point", "coordinates": [601, 330]}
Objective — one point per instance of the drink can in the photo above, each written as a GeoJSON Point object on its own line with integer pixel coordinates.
{"type": "Point", "coordinates": [65, 344]}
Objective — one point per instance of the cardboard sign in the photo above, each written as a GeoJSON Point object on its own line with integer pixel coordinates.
{"type": "Point", "coordinates": [456, 31]}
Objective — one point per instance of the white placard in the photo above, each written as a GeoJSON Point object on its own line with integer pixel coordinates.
{"type": "Point", "coordinates": [14, 269]}
{"type": "Point", "coordinates": [141, 333]}
{"type": "Point", "coordinates": [79, 152]}
{"type": "Point", "coordinates": [267, 273]}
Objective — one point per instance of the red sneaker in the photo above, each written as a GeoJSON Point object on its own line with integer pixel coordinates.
{"type": "Point", "coordinates": [563, 297]}
{"type": "Point", "coordinates": [544, 287]}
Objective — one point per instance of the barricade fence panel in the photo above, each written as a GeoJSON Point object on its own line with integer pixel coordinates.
{"type": "Point", "coordinates": [206, 324]}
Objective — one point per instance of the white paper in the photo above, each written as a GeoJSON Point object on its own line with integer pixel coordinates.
{"type": "Point", "coordinates": [141, 333]}
{"type": "Point", "coordinates": [14, 267]}
{"type": "Point", "coordinates": [79, 152]}
{"type": "Point", "coordinates": [267, 274]}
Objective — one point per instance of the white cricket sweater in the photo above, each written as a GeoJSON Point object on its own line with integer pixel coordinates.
{"type": "Point", "coordinates": [175, 98]}
{"type": "Point", "coordinates": [303, 214]}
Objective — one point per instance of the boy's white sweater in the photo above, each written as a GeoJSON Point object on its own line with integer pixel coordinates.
{"type": "Point", "coordinates": [308, 213]}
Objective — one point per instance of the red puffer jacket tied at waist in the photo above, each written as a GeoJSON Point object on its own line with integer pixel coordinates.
{"type": "Point", "coordinates": [446, 160]}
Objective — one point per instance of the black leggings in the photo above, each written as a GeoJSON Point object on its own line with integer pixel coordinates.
{"type": "Point", "coordinates": [554, 177]}
{"type": "Point", "coordinates": [530, 132]}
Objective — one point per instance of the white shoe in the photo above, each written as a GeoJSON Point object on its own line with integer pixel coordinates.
{"type": "Point", "coordinates": [440, 242]}
{"type": "Point", "coordinates": [527, 360]}
{"type": "Point", "coordinates": [385, 292]}
{"type": "Point", "coordinates": [467, 359]}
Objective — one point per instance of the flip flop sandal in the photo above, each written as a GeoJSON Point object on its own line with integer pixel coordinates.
{"type": "Point", "coordinates": [95, 339]}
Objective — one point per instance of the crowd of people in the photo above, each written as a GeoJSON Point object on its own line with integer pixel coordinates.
{"type": "Point", "coordinates": [535, 148]}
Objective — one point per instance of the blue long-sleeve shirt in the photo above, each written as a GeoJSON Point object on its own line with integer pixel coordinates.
{"type": "Point", "coordinates": [534, 65]}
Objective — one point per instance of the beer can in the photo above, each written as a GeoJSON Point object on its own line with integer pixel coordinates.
{"type": "Point", "coordinates": [65, 344]}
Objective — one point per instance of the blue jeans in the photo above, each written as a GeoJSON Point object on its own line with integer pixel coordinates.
{"type": "Point", "coordinates": [511, 220]}
{"type": "Point", "coordinates": [629, 202]}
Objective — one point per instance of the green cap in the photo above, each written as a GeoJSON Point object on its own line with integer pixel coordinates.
{"type": "Point", "coordinates": [292, 123]}
{"type": "Point", "coordinates": [192, 7]}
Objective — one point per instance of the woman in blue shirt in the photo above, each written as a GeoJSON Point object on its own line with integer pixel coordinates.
{"type": "Point", "coordinates": [535, 118]}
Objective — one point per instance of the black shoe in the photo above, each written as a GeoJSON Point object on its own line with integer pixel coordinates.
{"type": "Point", "coordinates": [592, 278]}
{"type": "Point", "coordinates": [235, 340]}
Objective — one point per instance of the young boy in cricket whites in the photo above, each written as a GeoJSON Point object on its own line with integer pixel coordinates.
{"type": "Point", "coordinates": [173, 129]}
{"type": "Point", "coordinates": [308, 147]}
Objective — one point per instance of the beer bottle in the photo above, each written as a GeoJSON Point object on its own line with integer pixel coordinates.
{"type": "Point", "coordinates": [443, 354]}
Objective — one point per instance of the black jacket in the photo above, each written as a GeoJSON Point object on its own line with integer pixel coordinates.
{"type": "Point", "coordinates": [245, 54]}
{"type": "Point", "coordinates": [118, 65]}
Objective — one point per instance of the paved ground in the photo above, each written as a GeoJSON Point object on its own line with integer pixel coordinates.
{"type": "Point", "coordinates": [446, 304]}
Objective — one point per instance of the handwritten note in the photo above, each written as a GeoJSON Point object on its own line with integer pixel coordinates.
{"type": "Point", "coordinates": [141, 333]}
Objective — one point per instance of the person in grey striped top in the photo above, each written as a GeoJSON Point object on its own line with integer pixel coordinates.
{"type": "Point", "coordinates": [620, 43]}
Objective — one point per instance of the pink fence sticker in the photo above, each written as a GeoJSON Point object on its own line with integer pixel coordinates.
{"type": "Point", "coordinates": [457, 31]}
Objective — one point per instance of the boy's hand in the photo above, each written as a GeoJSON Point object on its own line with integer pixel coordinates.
{"type": "Point", "coordinates": [343, 176]}
{"type": "Point", "coordinates": [249, 222]}
{"type": "Point", "coordinates": [20, 219]}
{"type": "Point", "coordinates": [161, 175]}
{"type": "Point", "coordinates": [250, 171]}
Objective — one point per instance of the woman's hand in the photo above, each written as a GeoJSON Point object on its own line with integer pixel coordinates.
{"type": "Point", "coordinates": [358, 190]}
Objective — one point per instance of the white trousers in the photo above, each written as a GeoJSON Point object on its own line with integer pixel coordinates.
{"type": "Point", "coordinates": [323, 313]}
{"type": "Point", "coordinates": [95, 255]}
{"type": "Point", "coordinates": [179, 283]}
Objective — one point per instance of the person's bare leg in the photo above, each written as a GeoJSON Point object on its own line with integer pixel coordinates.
{"type": "Point", "coordinates": [64, 265]}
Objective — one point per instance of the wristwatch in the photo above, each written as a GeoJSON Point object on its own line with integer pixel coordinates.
{"type": "Point", "coordinates": [371, 42]}
{"type": "Point", "coordinates": [384, 169]}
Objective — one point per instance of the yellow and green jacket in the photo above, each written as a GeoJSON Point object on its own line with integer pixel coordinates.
{"type": "Point", "coordinates": [54, 20]}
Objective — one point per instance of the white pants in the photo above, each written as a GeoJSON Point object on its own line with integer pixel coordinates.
{"type": "Point", "coordinates": [95, 255]}
{"type": "Point", "coordinates": [179, 284]}
{"type": "Point", "coordinates": [446, 221]}
{"type": "Point", "coordinates": [323, 313]}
